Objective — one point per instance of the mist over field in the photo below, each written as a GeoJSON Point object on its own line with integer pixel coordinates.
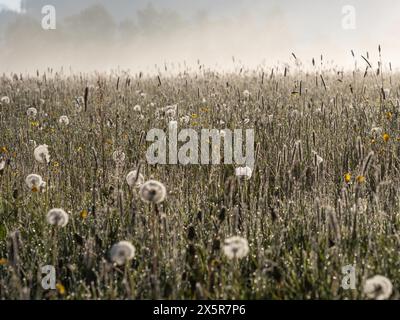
{"type": "Point", "coordinates": [137, 35]}
{"type": "Point", "coordinates": [209, 150]}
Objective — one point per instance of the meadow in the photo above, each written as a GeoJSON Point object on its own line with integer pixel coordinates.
{"type": "Point", "coordinates": [323, 193]}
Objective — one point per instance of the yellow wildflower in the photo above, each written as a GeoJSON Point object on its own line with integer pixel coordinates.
{"type": "Point", "coordinates": [3, 261]}
{"type": "Point", "coordinates": [386, 137]}
{"type": "Point", "coordinates": [60, 289]}
{"type": "Point", "coordinates": [84, 214]}
{"type": "Point", "coordinates": [360, 179]}
{"type": "Point", "coordinates": [347, 177]}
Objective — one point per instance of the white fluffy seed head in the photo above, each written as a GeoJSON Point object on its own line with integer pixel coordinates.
{"type": "Point", "coordinates": [132, 181]}
{"type": "Point", "coordinates": [244, 172]}
{"type": "Point", "coordinates": [170, 111]}
{"type": "Point", "coordinates": [236, 247]}
{"type": "Point", "coordinates": [122, 252]}
{"type": "Point", "coordinates": [5, 100]}
{"type": "Point", "coordinates": [378, 288]}
{"type": "Point", "coordinates": [41, 153]}
{"type": "Point", "coordinates": [185, 119]}
{"type": "Point", "coordinates": [34, 182]}
{"type": "Point", "coordinates": [57, 217]}
{"type": "Point", "coordinates": [246, 93]}
{"type": "Point", "coordinates": [137, 108]}
{"type": "Point", "coordinates": [376, 132]}
{"type": "Point", "coordinates": [152, 191]}
{"type": "Point", "coordinates": [118, 156]}
{"type": "Point", "coordinates": [63, 120]}
{"type": "Point", "coordinates": [31, 112]}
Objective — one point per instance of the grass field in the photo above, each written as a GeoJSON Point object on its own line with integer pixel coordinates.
{"type": "Point", "coordinates": [324, 191]}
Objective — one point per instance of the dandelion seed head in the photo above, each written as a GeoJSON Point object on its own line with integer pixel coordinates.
{"type": "Point", "coordinates": [235, 247]}
{"type": "Point", "coordinates": [131, 179]}
{"type": "Point", "coordinates": [378, 288]}
{"type": "Point", "coordinates": [122, 252]}
{"type": "Point", "coordinates": [5, 100]}
{"type": "Point", "coordinates": [170, 111]}
{"type": "Point", "coordinates": [34, 182]}
{"type": "Point", "coordinates": [119, 156]}
{"type": "Point", "coordinates": [63, 120]}
{"type": "Point", "coordinates": [376, 131]}
{"type": "Point", "coordinates": [31, 112]}
{"type": "Point", "coordinates": [246, 93]}
{"type": "Point", "coordinates": [185, 119]}
{"type": "Point", "coordinates": [41, 153]}
{"type": "Point", "coordinates": [152, 191]}
{"type": "Point", "coordinates": [57, 217]}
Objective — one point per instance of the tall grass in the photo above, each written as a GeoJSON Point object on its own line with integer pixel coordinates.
{"type": "Point", "coordinates": [302, 219]}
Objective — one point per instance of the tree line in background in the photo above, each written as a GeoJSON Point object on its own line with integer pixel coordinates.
{"type": "Point", "coordinates": [94, 28]}
{"type": "Point", "coordinates": [95, 24]}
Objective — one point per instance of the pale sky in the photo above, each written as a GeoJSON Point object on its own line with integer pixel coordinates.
{"type": "Point", "coordinates": [251, 30]}
{"type": "Point", "coordinates": [11, 4]}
